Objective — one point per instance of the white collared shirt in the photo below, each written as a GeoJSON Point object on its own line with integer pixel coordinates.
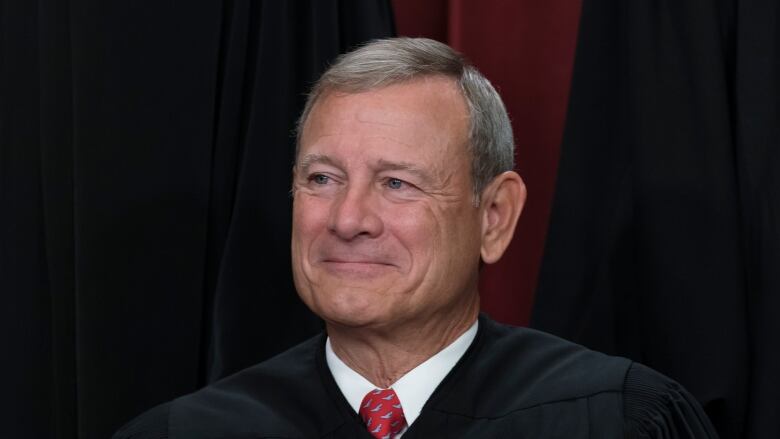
{"type": "Point", "coordinates": [414, 388]}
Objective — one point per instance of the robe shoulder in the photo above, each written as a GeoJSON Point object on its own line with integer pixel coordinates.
{"type": "Point", "coordinates": [659, 407]}
{"type": "Point", "coordinates": [265, 400]}
{"type": "Point", "coordinates": [151, 425]}
{"type": "Point", "coordinates": [514, 368]}
{"type": "Point", "coordinates": [519, 379]}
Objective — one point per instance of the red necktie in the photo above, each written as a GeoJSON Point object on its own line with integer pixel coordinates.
{"type": "Point", "coordinates": [381, 411]}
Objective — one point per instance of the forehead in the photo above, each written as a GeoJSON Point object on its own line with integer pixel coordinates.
{"type": "Point", "coordinates": [427, 112]}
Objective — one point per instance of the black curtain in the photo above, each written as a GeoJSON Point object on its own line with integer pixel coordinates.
{"type": "Point", "coordinates": [145, 157]}
{"type": "Point", "coordinates": [664, 241]}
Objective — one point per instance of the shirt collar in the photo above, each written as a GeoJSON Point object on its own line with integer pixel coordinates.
{"type": "Point", "coordinates": [414, 388]}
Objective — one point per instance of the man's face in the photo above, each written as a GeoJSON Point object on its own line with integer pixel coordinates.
{"type": "Point", "coordinates": [384, 226]}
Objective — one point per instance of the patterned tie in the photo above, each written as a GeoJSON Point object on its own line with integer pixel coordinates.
{"type": "Point", "coordinates": [381, 411]}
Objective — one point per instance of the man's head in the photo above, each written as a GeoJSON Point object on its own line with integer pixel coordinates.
{"type": "Point", "coordinates": [402, 184]}
{"type": "Point", "coordinates": [398, 60]}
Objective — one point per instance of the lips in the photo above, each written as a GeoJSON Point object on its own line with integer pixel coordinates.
{"type": "Point", "coordinates": [354, 261]}
{"type": "Point", "coordinates": [356, 270]}
{"type": "Point", "coordinates": [357, 257]}
{"type": "Point", "coordinates": [355, 264]}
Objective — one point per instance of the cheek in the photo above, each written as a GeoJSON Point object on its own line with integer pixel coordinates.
{"type": "Point", "coordinates": [458, 232]}
{"type": "Point", "coordinates": [413, 224]}
{"type": "Point", "coordinates": [444, 246]}
{"type": "Point", "coordinates": [310, 216]}
{"type": "Point", "coordinates": [416, 227]}
{"type": "Point", "coordinates": [421, 226]}
{"type": "Point", "coordinates": [309, 220]}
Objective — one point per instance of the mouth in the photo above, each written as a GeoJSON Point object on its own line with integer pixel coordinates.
{"type": "Point", "coordinates": [356, 268]}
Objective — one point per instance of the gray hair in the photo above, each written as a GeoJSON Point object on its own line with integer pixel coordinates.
{"type": "Point", "coordinates": [381, 63]}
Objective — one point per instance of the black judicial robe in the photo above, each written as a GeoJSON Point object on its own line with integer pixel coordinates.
{"type": "Point", "coordinates": [510, 383]}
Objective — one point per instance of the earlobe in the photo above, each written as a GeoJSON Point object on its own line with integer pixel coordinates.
{"type": "Point", "coordinates": [502, 204]}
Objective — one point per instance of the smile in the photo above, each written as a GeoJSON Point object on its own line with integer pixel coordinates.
{"type": "Point", "coordinates": [355, 268]}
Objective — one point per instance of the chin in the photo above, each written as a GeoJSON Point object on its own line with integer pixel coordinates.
{"type": "Point", "coordinates": [352, 309]}
{"type": "Point", "coordinates": [345, 318]}
{"type": "Point", "coordinates": [351, 302]}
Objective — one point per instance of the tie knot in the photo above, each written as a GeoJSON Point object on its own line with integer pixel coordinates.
{"type": "Point", "coordinates": [381, 411]}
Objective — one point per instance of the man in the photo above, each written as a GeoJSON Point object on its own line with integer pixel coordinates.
{"type": "Point", "coordinates": [403, 187]}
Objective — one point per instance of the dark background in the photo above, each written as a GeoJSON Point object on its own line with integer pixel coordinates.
{"type": "Point", "coordinates": [145, 156]}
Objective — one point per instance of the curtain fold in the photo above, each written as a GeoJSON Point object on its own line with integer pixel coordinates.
{"type": "Point", "coordinates": [663, 241]}
{"type": "Point", "coordinates": [145, 157]}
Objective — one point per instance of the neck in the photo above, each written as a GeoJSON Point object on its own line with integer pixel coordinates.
{"type": "Point", "coordinates": [384, 355]}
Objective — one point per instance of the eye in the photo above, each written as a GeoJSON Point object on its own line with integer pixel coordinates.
{"type": "Point", "coordinates": [394, 183]}
{"type": "Point", "coordinates": [319, 178]}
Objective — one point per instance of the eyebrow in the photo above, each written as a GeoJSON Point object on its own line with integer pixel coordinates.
{"type": "Point", "coordinates": [310, 159]}
{"type": "Point", "coordinates": [422, 174]}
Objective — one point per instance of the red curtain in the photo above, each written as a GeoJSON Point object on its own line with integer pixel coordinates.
{"type": "Point", "coordinates": [526, 49]}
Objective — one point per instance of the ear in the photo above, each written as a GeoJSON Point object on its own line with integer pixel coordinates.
{"type": "Point", "coordinates": [501, 204]}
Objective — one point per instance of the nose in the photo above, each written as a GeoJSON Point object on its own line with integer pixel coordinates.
{"type": "Point", "coordinates": [355, 214]}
